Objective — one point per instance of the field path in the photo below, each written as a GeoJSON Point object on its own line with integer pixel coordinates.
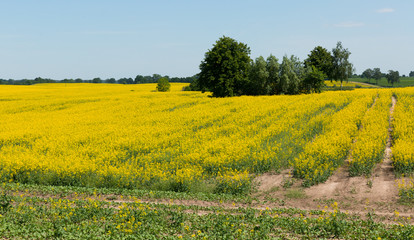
{"type": "Point", "coordinates": [384, 186]}
{"type": "Point", "coordinates": [380, 187]}
{"type": "Point", "coordinates": [378, 191]}
{"type": "Point", "coordinates": [367, 84]}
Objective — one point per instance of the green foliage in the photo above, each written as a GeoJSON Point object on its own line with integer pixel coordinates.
{"type": "Point", "coordinates": [258, 77]}
{"type": "Point", "coordinates": [96, 80]}
{"type": "Point", "coordinates": [54, 217]}
{"type": "Point", "coordinates": [377, 75]}
{"type": "Point", "coordinates": [314, 80]}
{"type": "Point", "coordinates": [5, 203]}
{"type": "Point", "coordinates": [163, 85]}
{"type": "Point", "coordinates": [273, 80]}
{"type": "Point", "coordinates": [368, 74]}
{"type": "Point", "coordinates": [290, 70]}
{"type": "Point", "coordinates": [341, 67]}
{"type": "Point", "coordinates": [321, 59]}
{"type": "Point", "coordinates": [226, 71]}
{"type": "Point", "coordinates": [225, 67]}
{"type": "Point", "coordinates": [393, 77]}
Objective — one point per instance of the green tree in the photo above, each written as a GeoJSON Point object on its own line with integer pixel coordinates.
{"type": "Point", "coordinates": [156, 77]}
{"type": "Point", "coordinates": [285, 73]}
{"type": "Point", "coordinates": [139, 79]}
{"type": "Point", "coordinates": [163, 85]}
{"type": "Point", "coordinates": [411, 74]}
{"type": "Point", "coordinates": [393, 77]}
{"type": "Point", "coordinates": [289, 80]}
{"type": "Point", "coordinates": [224, 70]}
{"type": "Point", "coordinates": [273, 80]}
{"type": "Point", "coordinates": [341, 67]}
{"type": "Point", "coordinates": [377, 74]}
{"type": "Point", "coordinates": [96, 80]}
{"type": "Point", "coordinates": [320, 58]}
{"type": "Point", "coordinates": [295, 78]}
{"type": "Point", "coordinates": [314, 80]}
{"type": "Point", "coordinates": [257, 77]}
{"type": "Point", "coordinates": [110, 80]}
{"type": "Point", "coordinates": [368, 74]}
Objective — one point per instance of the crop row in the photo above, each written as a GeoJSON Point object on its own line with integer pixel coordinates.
{"type": "Point", "coordinates": [322, 156]}
{"type": "Point", "coordinates": [368, 149]}
{"type": "Point", "coordinates": [403, 132]}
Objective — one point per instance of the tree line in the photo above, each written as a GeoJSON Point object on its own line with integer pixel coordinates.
{"type": "Point", "coordinates": [228, 70]}
{"type": "Point", "coordinates": [376, 74]}
{"type": "Point", "coordinates": [137, 80]}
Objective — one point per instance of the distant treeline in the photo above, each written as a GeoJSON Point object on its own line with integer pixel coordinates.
{"type": "Point", "coordinates": [137, 80]}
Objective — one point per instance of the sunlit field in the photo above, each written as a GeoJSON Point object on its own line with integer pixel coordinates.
{"type": "Point", "coordinates": [129, 136]}
{"type": "Point", "coordinates": [112, 161]}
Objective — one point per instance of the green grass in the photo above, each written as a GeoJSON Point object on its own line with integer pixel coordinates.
{"type": "Point", "coordinates": [85, 192]}
{"type": "Point", "coordinates": [404, 82]}
{"type": "Point", "coordinates": [23, 216]}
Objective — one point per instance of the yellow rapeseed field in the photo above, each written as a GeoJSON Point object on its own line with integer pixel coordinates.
{"type": "Point", "coordinates": [129, 136]}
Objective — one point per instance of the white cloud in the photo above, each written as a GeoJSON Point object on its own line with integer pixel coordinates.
{"type": "Point", "coordinates": [385, 10]}
{"type": "Point", "coordinates": [349, 24]}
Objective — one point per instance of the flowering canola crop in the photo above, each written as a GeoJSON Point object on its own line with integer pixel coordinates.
{"type": "Point", "coordinates": [130, 136]}
{"type": "Point", "coordinates": [370, 143]}
{"type": "Point", "coordinates": [403, 132]}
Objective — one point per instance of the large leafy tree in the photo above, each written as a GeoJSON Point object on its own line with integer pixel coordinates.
{"type": "Point", "coordinates": [341, 67]}
{"type": "Point", "coordinates": [377, 74]}
{"type": "Point", "coordinates": [393, 77]}
{"type": "Point", "coordinates": [224, 70]}
{"type": "Point", "coordinates": [321, 59]}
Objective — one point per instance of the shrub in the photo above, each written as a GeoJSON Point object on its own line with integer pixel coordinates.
{"type": "Point", "coordinates": [163, 85]}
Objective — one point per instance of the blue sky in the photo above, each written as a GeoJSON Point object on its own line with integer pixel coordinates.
{"type": "Point", "coordinates": [96, 38]}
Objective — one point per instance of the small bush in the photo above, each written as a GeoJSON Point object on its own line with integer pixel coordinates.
{"type": "Point", "coordinates": [163, 85]}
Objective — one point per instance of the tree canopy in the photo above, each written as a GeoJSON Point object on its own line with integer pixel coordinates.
{"type": "Point", "coordinates": [321, 59]}
{"type": "Point", "coordinates": [224, 70]}
{"type": "Point", "coordinates": [313, 80]}
{"type": "Point", "coordinates": [377, 74]}
{"type": "Point", "coordinates": [393, 77]}
{"type": "Point", "coordinates": [163, 85]}
{"type": "Point", "coordinates": [341, 67]}
{"type": "Point", "coordinates": [368, 74]}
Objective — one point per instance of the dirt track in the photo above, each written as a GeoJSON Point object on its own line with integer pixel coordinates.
{"type": "Point", "coordinates": [379, 193]}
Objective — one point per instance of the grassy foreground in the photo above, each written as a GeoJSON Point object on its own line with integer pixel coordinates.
{"type": "Point", "coordinates": [82, 215]}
